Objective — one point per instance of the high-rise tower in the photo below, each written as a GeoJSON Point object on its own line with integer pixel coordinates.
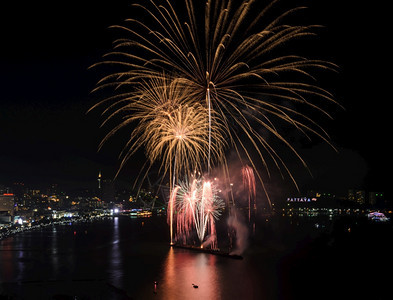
{"type": "Point", "coordinates": [99, 180]}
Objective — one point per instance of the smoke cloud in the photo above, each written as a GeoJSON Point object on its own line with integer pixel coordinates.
{"type": "Point", "coordinates": [236, 223]}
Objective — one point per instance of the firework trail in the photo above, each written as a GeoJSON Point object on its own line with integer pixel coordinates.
{"type": "Point", "coordinates": [171, 211]}
{"type": "Point", "coordinates": [250, 188]}
{"type": "Point", "coordinates": [230, 60]}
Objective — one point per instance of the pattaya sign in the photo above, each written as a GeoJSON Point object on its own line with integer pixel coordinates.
{"type": "Point", "coordinates": [301, 199]}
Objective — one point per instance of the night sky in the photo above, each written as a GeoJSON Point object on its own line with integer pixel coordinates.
{"type": "Point", "coordinates": [47, 137]}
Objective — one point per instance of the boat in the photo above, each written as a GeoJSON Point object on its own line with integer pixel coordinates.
{"type": "Point", "coordinates": [139, 212]}
{"type": "Point", "coordinates": [377, 217]}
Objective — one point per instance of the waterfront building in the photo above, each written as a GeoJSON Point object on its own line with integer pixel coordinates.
{"type": "Point", "coordinates": [94, 203]}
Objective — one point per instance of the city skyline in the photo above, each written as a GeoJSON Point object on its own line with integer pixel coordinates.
{"type": "Point", "coordinates": [45, 82]}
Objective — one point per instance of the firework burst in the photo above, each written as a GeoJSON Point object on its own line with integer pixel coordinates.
{"type": "Point", "coordinates": [198, 206]}
{"type": "Point", "coordinates": [170, 126]}
{"type": "Point", "coordinates": [230, 66]}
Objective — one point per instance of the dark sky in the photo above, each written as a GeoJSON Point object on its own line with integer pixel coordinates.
{"type": "Point", "coordinates": [46, 136]}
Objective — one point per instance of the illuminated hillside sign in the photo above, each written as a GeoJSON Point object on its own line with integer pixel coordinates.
{"type": "Point", "coordinates": [301, 199]}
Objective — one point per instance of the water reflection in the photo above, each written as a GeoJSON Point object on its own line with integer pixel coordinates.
{"type": "Point", "coordinates": [54, 252]}
{"type": "Point", "coordinates": [116, 268]}
{"type": "Point", "coordinates": [182, 270]}
{"type": "Point", "coordinates": [6, 256]}
{"type": "Point", "coordinates": [216, 277]}
{"type": "Point", "coordinates": [118, 258]}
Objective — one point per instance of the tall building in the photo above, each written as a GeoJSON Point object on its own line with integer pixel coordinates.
{"type": "Point", "coordinates": [361, 197]}
{"type": "Point", "coordinates": [7, 204]}
{"type": "Point", "coordinates": [106, 189]}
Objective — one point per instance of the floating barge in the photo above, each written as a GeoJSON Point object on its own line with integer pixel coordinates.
{"type": "Point", "coordinates": [209, 251]}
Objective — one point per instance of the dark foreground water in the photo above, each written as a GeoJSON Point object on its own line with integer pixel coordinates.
{"type": "Point", "coordinates": [123, 258]}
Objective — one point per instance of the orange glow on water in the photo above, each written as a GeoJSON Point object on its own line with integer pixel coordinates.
{"type": "Point", "coordinates": [182, 270]}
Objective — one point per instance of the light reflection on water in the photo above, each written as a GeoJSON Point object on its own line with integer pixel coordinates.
{"type": "Point", "coordinates": [122, 258]}
{"type": "Point", "coordinates": [116, 259]}
{"type": "Point", "coordinates": [216, 277]}
{"type": "Point", "coordinates": [181, 270]}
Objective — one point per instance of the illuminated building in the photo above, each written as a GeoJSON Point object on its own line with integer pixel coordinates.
{"type": "Point", "coordinates": [361, 197]}
{"type": "Point", "coordinates": [7, 204]}
{"type": "Point", "coordinates": [94, 203]}
{"type": "Point", "coordinates": [357, 196]}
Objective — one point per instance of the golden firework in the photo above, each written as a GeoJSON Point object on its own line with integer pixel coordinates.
{"type": "Point", "coordinates": [231, 66]}
{"type": "Point", "coordinates": [169, 125]}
